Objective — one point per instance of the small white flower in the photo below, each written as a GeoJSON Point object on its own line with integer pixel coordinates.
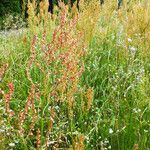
{"type": "Point", "coordinates": [129, 40]}
{"type": "Point", "coordinates": [109, 147]}
{"type": "Point", "coordinates": [57, 107]}
{"type": "Point", "coordinates": [135, 110]}
{"type": "Point", "coordinates": [2, 131]}
{"type": "Point", "coordinates": [16, 141]}
{"type": "Point", "coordinates": [111, 131]}
{"type": "Point", "coordinates": [106, 142]}
{"type": "Point", "coordinates": [133, 50]}
{"type": "Point", "coordinates": [146, 131]}
{"type": "Point", "coordinates": [11, 144]}
{"type": "Point", "coordinates": [8, 133]}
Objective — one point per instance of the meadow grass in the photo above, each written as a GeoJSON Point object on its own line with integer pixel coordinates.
{"type": "Point", "coordinates": [77, 80]}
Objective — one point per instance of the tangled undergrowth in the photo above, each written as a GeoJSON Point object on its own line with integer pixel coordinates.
{"type": "Point", "coordinates": [77, 80]}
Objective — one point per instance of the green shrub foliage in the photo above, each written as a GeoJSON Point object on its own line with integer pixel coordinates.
{"type": "Point", "coordinates": [10, 6]}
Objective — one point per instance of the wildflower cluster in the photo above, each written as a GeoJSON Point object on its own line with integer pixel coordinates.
{"type": "Point", "coordinates": [58, 61]}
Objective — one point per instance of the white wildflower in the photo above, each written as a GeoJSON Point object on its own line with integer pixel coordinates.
{"type": "Point", "coordinates": [135, 110]}
{"type": "Point", "coordinates": [106, 142]}
{"type": "Point", "coordinates": [16, 141]}
{"type": "Point", "coordinates": [129, 40]}
{"type": "Point", "coordinates": [132, 50]}
{"type": "Point", "coordinates": [146, 131]}
{"type": "Point", "coordinates": [2, 131]}
{"type": "Point", "coordinates": [8, 133]}
{"type": "Point", "coordinates": [111, 131]}
{"type": "Point", "coordinates": [11, 144]}
{"type": "Point", "coordinates": [109, 147]}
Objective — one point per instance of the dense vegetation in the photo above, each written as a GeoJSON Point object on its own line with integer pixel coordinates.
{"type": "Point", "coordinates": [77, 80]}
{"type": "Point", "coordinates": [13, 13]}
{"type": "Point", "coordinates": [7, 6]}
{"type": "Point", "coordinates": [17, 6]}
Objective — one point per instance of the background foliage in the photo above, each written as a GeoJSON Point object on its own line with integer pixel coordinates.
{"type": "Point", "coordinates": [10, 6]}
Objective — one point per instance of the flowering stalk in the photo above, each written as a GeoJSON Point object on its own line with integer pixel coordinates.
{"type": "Point", "coordinates": [32, 58]}
{"type": "Point", "coordinates": [136, 147]}
{"type": "Point", "coordinates": [38, 139]}
{"type": "Point", "coordinates": [79, 143]}
{"type": "Point", "coordinates": [7, 98]}
{"type": "Point", "coordinates": [23, 114]}
{"type": "Point", "coordinates": [89, 96]}
{"type": "Point", "coordinates": [50, 127]}
{"type": "Point", "coordinates": [2, 70]}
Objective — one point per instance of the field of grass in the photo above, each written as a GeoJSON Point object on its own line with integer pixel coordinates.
{"type": "Point", "coordinates": [77, 80]}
